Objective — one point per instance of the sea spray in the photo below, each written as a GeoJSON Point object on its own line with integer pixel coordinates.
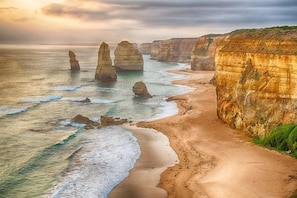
{"type": "Point", "coordinates": [104, 160]}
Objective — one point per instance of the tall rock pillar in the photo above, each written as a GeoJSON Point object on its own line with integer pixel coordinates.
{"type": "Point", "coordinates": [105, 72]}
{"type": "Point", "coordinates": [74, 65]}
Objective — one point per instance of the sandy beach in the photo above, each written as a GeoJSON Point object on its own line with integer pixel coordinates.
{"type": "Point", "coordinates": [214, 160]}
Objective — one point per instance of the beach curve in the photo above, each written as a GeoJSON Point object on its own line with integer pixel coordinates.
{"type": "Point", "coordinates": [215, 160]}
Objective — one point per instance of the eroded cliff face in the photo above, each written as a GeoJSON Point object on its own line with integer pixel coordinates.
{"type": "Point", "coordinates": [128, 57]}
{"type": "Point", "coordinates": [173, 50]}
{"type": "Point", "coordinates": [145, 48]}
{"type": "Point", "coordinates": [256, 76]}
{"type": "Point", "coordinates": [204, 51]}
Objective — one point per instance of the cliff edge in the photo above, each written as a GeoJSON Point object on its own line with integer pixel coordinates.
{"type": "Point", "coordinates": [173, 50]}
{"type": "Point", "coordinates": [256, 76]}
{"type": "Point", "coordinates": [204, 51]}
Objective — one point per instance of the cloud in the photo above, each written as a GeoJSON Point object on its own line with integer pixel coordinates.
{"type": "Point", "coordinates": [143, 19]}
{"type": "Point", "coordinates": [172, 13]}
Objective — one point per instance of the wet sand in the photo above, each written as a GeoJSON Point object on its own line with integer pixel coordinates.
{"type": "Point", "coordinates": [144, 178]}
{"type": "Point", "coordinates": [215, 160]}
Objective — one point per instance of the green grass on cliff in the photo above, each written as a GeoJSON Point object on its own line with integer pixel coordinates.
{"type": "Point", "coordinates": [285, 27]}
{"type": "Point", "coordinates": [282, 138]}
{"type": "Point", "coordinates": [269, 32]}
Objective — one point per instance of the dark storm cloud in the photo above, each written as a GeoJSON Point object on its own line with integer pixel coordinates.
{"type": "Point", "coordinates": [172, 13]}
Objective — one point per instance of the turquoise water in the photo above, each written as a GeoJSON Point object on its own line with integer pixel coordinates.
{"type": "Point", "coordinates": [38, 98]}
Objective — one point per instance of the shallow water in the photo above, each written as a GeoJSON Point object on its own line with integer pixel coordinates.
{"type": "Point", "coordinates": [38, 98]}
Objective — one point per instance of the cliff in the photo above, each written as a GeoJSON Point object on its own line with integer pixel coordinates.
{"type": "Point", "coordinates": [128, 57]}
{"type": "Point", "coordinates": [173, 50]}
{"type": "Point", "coordinates": [105, 72]}
{"type": "Point", "coordinates": [74, 65]}
{"type": "Point", "coordinates": [145, 48]}
{"type": "Point", "coordinates": [203, 52]}
{"type": "Point", "coordinates": [256, 76]}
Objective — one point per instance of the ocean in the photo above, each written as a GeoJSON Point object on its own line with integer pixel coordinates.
{"type": "Point", "coordinates": [43, 153]}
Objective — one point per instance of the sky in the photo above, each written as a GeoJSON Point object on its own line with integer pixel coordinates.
{"type": "Point", "coordinates": [138, 21]}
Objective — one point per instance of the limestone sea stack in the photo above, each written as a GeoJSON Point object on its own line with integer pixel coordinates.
{"type": "Point", "coordinates": [74, 65]}
{"type": "Point", "coordinates": [140, 90]}
{"type": "Point", "coordinates": [256, 76]}
{"type": "Point", "coordinates": [128, 57]}
{"type": "Point", "coordinates": [105, 72]}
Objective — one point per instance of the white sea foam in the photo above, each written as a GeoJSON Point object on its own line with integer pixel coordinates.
{"type": "Point", "coordinates": [107, 156]}
{"type": "Point", "coordinates": [42, 99]}
{"type": "Point", "coordinates": [68, 122]}
{"type": "Point", "coordinates": [92, 100]}
{"type": "Point", "coordinates": [184, 66]}
{"type": "Point", "coordinates": [11, 110]}
{"type": "Point", "coordinates": [66, 88]}
{"type": "Point", "coordinates": [166, 109]}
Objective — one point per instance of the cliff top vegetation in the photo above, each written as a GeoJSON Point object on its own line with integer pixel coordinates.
{"type": "Point", "coordinates": [271, 40]}
{"type": "Point", "coordinates": [271, 33]}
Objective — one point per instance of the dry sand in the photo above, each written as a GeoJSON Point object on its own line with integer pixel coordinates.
{"type": "Point", "coordinates": [215, 160]}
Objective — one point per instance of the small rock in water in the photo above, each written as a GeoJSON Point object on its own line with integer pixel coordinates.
{"type": "Point", "coordinates": [140, 90]}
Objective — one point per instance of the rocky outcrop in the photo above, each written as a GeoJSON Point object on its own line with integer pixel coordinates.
{"type": "Point", "coordinates": [256, 76]}
{"type": "Point", "coordinates": [104, 121]}
{"type": "Point", "coordinates": [89, 124]}
{"type": "Point", "coordinates": [108, 121]}
{"type": "Point", "coordinates": [173, 50]}
{"type": "Point", "coordinates": [145, 48]}
{"type": "Point", "coordinates": [140, 90]}
{"type": "Point", "coordinates": [105, 72]}
{"type": "Point", "coordinates": [74, 65]}
{"type": "Point", "coordinates": [127, 57]}
{"type": "Point", "coordinates": [203, 53]}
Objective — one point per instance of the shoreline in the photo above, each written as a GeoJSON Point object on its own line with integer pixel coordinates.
{"type": "Point", "coordinates": [215, 160]}
{"type": "Point", "coordinates": [144, 177]}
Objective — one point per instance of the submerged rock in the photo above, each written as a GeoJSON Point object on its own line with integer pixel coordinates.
{"type": "Point", "coordinates": [87, 100]}
{"type": "Point", "coordinates": [105, 72]}
{"type": "Point", "coordinates": [73, 62]}
{"type": "Point", "coordinates": [128, 57]}
{"type": "Point", "coordinates": [140, 90]}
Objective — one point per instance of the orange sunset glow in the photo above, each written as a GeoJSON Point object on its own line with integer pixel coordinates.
{"type": "Point", "coordinates": [66, 21]}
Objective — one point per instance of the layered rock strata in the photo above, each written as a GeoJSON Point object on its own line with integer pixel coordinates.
{"type": "Point", "coordinates": [105, 72]}
{"type": "Point", "coordinates": [256, 76]}
{"type": "Point", "coordinates": [173, 50]}
{"type": "Point", "coordinates": [74, 65]}
{"type": "Point", "coordinates": [140, 90]}
{"type": "Point", "coordinates": [128, 57]}
{"type": "Point", "coordinates": [145, 48]}
{"type": "Point", "coordinates": [203, 52]}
